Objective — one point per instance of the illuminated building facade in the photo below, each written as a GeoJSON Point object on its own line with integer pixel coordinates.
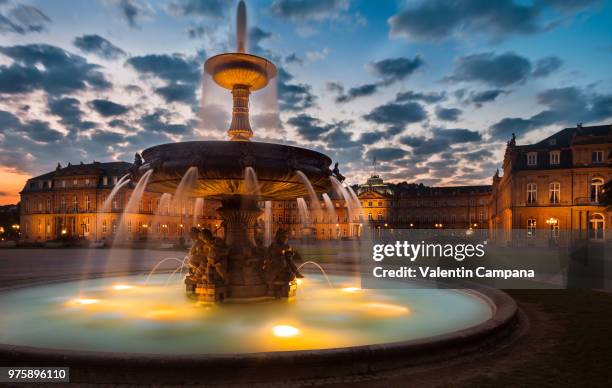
{"type": "Point", "coordinates": [69, 203]}
{"type": "Point", "coordinates": [554, 185]}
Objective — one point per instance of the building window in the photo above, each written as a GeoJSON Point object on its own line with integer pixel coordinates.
{"type": "Point", "coordinates": [370, 204]}
{"type": "Point", "coordinates": [555, 191]}
{"type": "Point", "coordinates": [481, 216]}
{"type": "Point", "coordinates": [380, 217]}
{"type": "Point", "coordinates": [87, 203]}
{"type": "Point", "coordinates": [596, 188]}
{"type": "Point", "coordinates": [150, 206]}
{"type": "Point", "coordinates": [531, 227]}
{"type": "Point", "coordinates": [62, 203]}
{"type": "Point", "coordinates": [554, 227]}
{"type": "Point", "coordinates": [48, 204]}
{"type": "Point", "coordinates": [532, 158]}
{"type": "Point", "coordinates": [87, 182]}
{"type": "Point", "coordinates": [555, 157]}
{"type": "Point", "coordinates": [140, 206]}
{"type": "Point", "coordinates": [75, 203]}
{"type": "Point", "coordinates": [105, 181]}
{"type": "Point", "coordinates": [114, 226]}
{"type": "Point", "coordinates": [597, 156]}
{"type": "Point", "coordinates": [596, 231]}
{"type": "Point", "coordinates": [532, 193]}
{"type": "Point", "coordinates": [369, 216]}
{"type": "Point", "coordinates": [75, 182]}
{"type": "Point", "coordinates": [379, 203]}
{"type": "Point", "coordinates": [104, 227]}
{"type": "Point", "coordinates": [129, 226]}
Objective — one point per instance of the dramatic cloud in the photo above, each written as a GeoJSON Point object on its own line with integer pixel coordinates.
{"type": "Point", "coordinates": [397, 115]}
{"type": "Point", "coordinates": [441, 19]}
{"type": "Point", "coordinates": [547, 66]}
{"type": "Point", "coordinates": [134, 10]}
{"type": "Point", "coordinates": [441, 141]}
{"type": "Point", "coordinates": [42, 66]}
{"type": "Point", "coordinates": [215, 9]}
{"type": "Point", "coordinates": [182, 75]}
{"type": "Point", "coordinates": [23, 19]}
{"type": "Point", "coordinates": [448, 114]}
{"type": "Point", "coordinates": [488, 68]}
{"type": "Point", "coordinates": [395, 69]}
{"type": "Point", "coordinates": [108, 108]}
{"type": "Point", "coordinates": [160, 121]}
{"type": "Point", "coordinates": [479, 98]}
{"type": "Point", "coordinates": [565, 106]}
{"type": "Point", "coordinates": [293, 96]}
{"type": "Point", "coordinates": [71, 117]}
{"type": "Point", "coordinates": [256, 36]}
{"type": "Point", "coordinates": [309, 127]}
{"type": "Point", "coordinates": [356, 92]}
{"type": "Point", "coordinates": [308, 10]}
{"type": "Point", "coordinates": [386, 154]}
{"type": "Point", "coordinates": [424, 97]}
{"type": "Point", "coordinates": [389, 71]}
{"type": "Point", "coordinates": [95, 44]}
{"type": "Point", "coordinates": [35, 130]}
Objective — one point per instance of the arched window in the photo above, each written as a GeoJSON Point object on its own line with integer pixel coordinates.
{"type": "Point", "coordinates": [597, 227]}
{"type": "Point", "coordinates": [555, 192]}
{"type": "Point", "coordinates": [532, 193]}
{"type": "Point", "coordinates": [531, 227]}
{"type": "Point", "coordinates": [596, 186]}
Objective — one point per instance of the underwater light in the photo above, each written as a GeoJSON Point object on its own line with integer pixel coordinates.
{"type": "Point", "coordinates": [87, 301]}
{"type": "Point", "coordinates": [121, 287]}
{"type": "Point", "coordinates": [285, 331]}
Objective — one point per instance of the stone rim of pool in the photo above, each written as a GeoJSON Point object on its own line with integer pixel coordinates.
{"type": "Point", "coordinates": [496, 332]}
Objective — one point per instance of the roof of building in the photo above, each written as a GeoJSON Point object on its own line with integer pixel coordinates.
{"type": "Point", "coordinates": [567, 137]}
{"type": "Point", "coordinates": [95, 168]}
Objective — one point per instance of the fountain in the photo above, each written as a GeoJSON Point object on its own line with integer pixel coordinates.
{"type": "Point", "coordinates": [144, 326]}
{"type": "Point", "coordinates": [238, 173]}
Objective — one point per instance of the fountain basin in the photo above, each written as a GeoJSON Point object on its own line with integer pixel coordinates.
{"type": "Point", "coordinates": [231, 69]}
{"type": "Point", "coordinates": [221, 168]}
{"type": "Point", "coordinates": [158, 335]}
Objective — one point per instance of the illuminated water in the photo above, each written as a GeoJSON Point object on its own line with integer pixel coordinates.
{"type": "Point", "coordinates": [124, 315]}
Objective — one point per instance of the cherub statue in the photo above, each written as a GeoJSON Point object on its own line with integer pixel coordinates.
{"type": "Point", "coordinates": [336, 173]}
{"type": "Point", "coordinates": [216, 258]}
{"type": "Point", "coordinates": [279, 264]}
{"type": "Point", "coordinates": [197, 255]}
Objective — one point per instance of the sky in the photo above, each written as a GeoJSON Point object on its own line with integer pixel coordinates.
{"type": "Point", "coordinates": [430, 89]}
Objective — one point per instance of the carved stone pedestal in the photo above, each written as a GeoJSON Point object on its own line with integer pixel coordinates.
{"type": "Point", "coordinates": [244, 278]}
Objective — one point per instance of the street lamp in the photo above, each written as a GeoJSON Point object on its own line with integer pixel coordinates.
{"type": "Point", "coordinates": [552, 222]}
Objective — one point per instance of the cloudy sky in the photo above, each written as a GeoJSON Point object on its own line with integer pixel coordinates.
{"type": "Point", "coordinates": [432, 89]}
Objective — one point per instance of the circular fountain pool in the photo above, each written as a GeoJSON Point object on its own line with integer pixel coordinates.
{"type": "Point", "coordinates": [125, 315]}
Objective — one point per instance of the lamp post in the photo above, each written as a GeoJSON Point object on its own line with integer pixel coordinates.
{"type": "Point", "coordinates": [16, 228]}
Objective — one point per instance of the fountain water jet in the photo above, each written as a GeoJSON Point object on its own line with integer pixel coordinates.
{"type": "Point", "coordinates": [329, 208]}
{"type": "Point", "coordinates": [304, 214]}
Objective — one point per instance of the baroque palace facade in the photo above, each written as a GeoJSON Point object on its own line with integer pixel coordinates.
{"type": "Point", "coordinates": [554, 185]}
{"type": "Point", "coordinates": [558, 180]}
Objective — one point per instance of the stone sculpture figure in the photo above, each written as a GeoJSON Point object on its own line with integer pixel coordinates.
{"type": "Point", "coordinates": [197, 256]}
{"type": "Point", "coordinates": [216, 258]}
{"type": "Point", "coordinates": [336, 173]}
{"type": "Point", "coordinates": [280, 265]}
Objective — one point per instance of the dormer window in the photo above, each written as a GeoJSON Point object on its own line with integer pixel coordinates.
{"type": "Point", "coordinates": [532, 158]}
{"type": "Point", "coordinates": [597, 156]}
{"type": "Point", "coordinates": [555, 157]}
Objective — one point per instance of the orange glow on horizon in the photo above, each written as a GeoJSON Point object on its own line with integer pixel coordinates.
{"type": "Point", "coordinates": [12, 184]}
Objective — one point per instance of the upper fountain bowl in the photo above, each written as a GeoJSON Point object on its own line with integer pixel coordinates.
{"type": "Point", "coordinates": [222, 169]}
{"type": "Point", "coordinates": [231, 69]}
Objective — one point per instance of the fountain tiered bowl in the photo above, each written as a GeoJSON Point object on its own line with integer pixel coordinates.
{"type": "Point", "coordinates": [221, 169]}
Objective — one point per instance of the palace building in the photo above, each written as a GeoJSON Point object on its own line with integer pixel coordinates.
{"type": "Point", "coordinates": [547, 187]}
{"type": "Point", "coordinates": [554, 185]}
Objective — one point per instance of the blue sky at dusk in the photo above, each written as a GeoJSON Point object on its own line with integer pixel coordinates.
{"type": "Point", "coordinates": [432, 89]}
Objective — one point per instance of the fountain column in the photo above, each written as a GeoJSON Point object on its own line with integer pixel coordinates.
{"type": "Point", "coordinates": [240, 128]}
{"type": "Point", "coordinates": [239, 216]}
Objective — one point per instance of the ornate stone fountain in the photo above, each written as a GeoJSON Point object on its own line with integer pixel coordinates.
{"type": "Point", "coordinates": [238, 267]}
